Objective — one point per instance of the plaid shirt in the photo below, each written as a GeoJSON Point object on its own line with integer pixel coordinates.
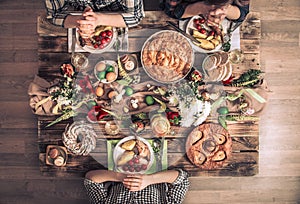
{"type": "Point", "coordinates": [117, 193]}
{"type": "Point", "coordinates": [176, 8]}
{"type": "Point", "coordinates": [131, 10]}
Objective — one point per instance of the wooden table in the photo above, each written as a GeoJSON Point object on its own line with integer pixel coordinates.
{"type": "Point", "coordinates": [53, 51]}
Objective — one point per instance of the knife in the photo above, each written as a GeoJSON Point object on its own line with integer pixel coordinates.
{"type": "Point", "coordinates": [173, 25]}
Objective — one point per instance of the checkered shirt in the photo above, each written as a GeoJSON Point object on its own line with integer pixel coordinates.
{"type": "Point", "coordinates": [132, 11]}
{"type": "Point", "coordinates": [117, 193]}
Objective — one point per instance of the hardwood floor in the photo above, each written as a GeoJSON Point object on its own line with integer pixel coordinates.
{"type": "Point", "coordinates": [278, 180]}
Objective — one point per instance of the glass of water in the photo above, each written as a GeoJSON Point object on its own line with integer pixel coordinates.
{"type": "Point", "coordinates": [236, 56]}
{"type": "Point", "coordinates": [79, 61]}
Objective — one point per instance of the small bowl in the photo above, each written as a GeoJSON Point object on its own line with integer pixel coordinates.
{"type": "Point", "coordinates": [103, 70]}
{"type": "Point", "coordinates": [62, 152]}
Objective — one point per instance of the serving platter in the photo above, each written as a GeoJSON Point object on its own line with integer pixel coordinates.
{"type": "Point", "coordinates": [209, 146]}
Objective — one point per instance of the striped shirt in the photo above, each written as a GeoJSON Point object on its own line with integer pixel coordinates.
{"type": "Point", "coordinates": [117, 193]}
{"type": "Point", "coordinates": [132, 11]}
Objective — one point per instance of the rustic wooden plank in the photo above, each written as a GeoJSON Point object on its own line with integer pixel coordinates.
{"type": "Point", "coordinates": [16, 86]}
{"type": "Point", "coordinates": [18, 29]}
{"type": "Point", "coordinates": [10, 111]}
{"type": "Point", "coordinates": [27, 69]}
{"type": "Point", "coordinates": [28, 55]}
{"type": "Point", "coordinates": [21, 16]}
{"type": "Point", "coordinates": [239, 164]}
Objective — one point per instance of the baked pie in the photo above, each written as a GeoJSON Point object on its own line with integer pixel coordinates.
{"type": "Point", "coordinates": [167, 56]}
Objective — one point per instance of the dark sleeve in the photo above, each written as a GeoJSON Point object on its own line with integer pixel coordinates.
{"type": "Point", "coordinates": [244, 10]}
{"type": "Point", "coordinates": [177, 190]}
{"type": "Point", "coordinates": [174, 8]}
{"type": "Point", "coordinates": [96, 192]}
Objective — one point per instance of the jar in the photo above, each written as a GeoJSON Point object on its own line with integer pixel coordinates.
{"type": "Point", "coordinates": [160, 125]}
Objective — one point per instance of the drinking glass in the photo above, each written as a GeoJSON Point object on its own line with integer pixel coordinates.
{"type": "Point", "coordinates": [79, 61]}
{"type": "Point", "coordinates": [236, 56]}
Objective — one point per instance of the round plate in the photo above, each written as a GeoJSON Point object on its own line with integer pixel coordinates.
{"type": "Point", "coordinates": [209, 146]}
{"type": "Point", "coordinates": [118, 151]}
{"type": "Point", "coordinates": [91, 49]}
{"type": "Point", "coordinates": [190, 26]}
{"type": "Point", "coordinates": [110, 63]}
{"type": "Point", "coordinates": [167, 56]}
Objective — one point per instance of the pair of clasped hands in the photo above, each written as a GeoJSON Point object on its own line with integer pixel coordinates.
{"type": "Point", "coordinates": [215, 16]}
{"type": "Point", "coordinates": [86, 26]}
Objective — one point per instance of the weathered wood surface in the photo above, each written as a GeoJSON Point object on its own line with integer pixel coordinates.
{"type": "Point", "coordinates": [53, 51]}
{"type": "Point", "coordinates": [279, 165]}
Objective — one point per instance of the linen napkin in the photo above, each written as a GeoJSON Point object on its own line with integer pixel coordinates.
{"type": "Point", "coordinates": [40, 101]}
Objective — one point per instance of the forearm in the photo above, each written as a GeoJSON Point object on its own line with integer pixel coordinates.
{"type": "Point", "coordinates": [115, 20]}
{"type": "Point", "coordinates": [100, 176]}
{"type": "Point", "coordinates": [195, 9]}
{"type": "Point", "coordinates": [168, 176]}
{"type": "Point", "coordinates": [71, 21]}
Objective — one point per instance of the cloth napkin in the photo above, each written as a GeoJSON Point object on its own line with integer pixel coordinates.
{"type": "Point", "coordinates": [110, 149]}
{"type": "Point", "coordinates": [40, 101]}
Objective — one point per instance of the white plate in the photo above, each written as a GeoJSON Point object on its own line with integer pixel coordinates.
{"type": "Point", "coordinates": [107, 62]}
{"type": "Point", "coordinates": [91, 49]}
{"type": "Point", "coordinates": [189, 26]}
{"type": "Point", "coordinates": [119, 151]}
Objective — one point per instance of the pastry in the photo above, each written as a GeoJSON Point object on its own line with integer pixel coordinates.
{"type": "Point", "coordinates": [219, 156]}
{"type": "Point", "coordinates": [125, 157]}
{"type": "Point", "coordinates": [167, 56]}
{"type": "Point", "coordinates": [128, 145]}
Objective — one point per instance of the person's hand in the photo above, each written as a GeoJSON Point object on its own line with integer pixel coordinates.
{"type": "Point", "coordinates": [87, 25]}
{"type": "Point", "coordinates": [136, 182]}
{"type": "Point", "coordinates": [216, 16]}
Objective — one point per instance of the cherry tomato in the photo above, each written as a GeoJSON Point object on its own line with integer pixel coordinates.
{"type": "Point", "coordinates": [103, 34]}
{"type": "Point", "coordinates": [211, 33]}
{"type": "Point", "coordinates": [125, 168]}
{"type": "Point", "coordinates": [198, 27]}
{"type": "Point", "coordinates": [196, 21]}
{"type": "Point", "coordinates": [130, 163]}
{"type": "Point", "coordinates": [96, 46]}
{"type": "Point", "coordinates": [103, 41]}
{"type": "Point", "coordinates": [202, 30]}
{"type": "Point", "coordinates": [136, 160]}
{"type": "Point", "coordinates": [131, 169]}
{"type": "Point", "coordinates": [97, 38]}
{"type": "Point", "coordinates": [107, 39]}
{"type": "Point", "coordinates": [109, 33]}
{"type": "Point", "coordinates": [202, 20]}
{"type": "Point", "coordinates": [101, 46]}
{"type": "Point", "coordinates": [138, 168]}
{"type": "Point", "coordinates": [144, 166]}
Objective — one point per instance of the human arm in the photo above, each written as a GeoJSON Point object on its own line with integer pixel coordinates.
{"type": "Point", "coordinates": [129, 15]}
{"type": "Point", "coordinates": [138, 182]}
{"type": "Point", "coordinates": [101, 176]}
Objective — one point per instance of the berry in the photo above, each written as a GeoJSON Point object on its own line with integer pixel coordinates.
{"type": "Point", "coordinates": [202, 30]}
{"type": "Point", "coordinates": [103, 34]}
